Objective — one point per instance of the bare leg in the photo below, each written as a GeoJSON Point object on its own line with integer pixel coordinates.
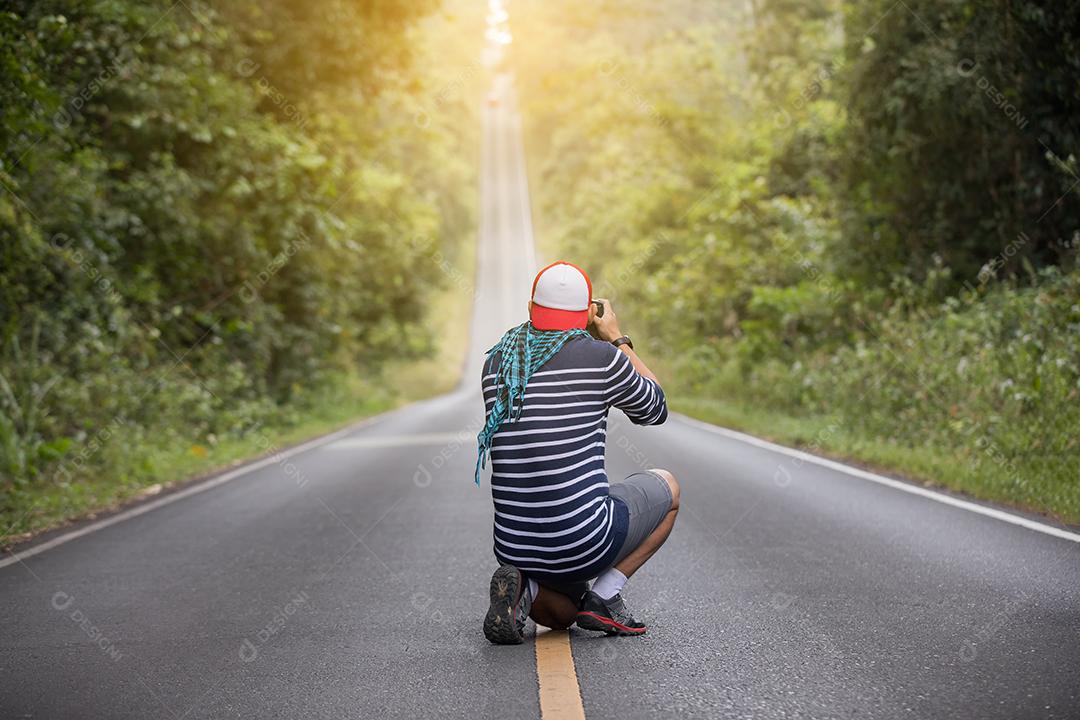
{"type": "Point", "coordinates": [557, 611]}
{"type": "Point", "coordinates": [553, 609]}
{"type": "Point", "coordinates": [630, 564]}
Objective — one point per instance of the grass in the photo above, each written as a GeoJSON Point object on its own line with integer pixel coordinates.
{"type": "Point", "coordinates": [979, 477]}
{"type": "Point", "coordinates": [150, 469]}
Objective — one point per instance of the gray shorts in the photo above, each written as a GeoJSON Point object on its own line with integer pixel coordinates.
{"type": "Point", "coordinates": [648, 498]}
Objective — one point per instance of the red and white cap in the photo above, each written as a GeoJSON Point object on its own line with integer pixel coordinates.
{"type": "Point", "coordinates": [561, 296]}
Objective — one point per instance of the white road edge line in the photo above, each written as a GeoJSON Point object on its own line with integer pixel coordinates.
{"type": "Point", "coordinates": [882, 480]}
{"type": "Point", "coordinates": [203, 486]}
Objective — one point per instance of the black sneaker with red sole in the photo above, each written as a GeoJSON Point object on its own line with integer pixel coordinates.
{"type": "Point", "coordinates": [609, 616]}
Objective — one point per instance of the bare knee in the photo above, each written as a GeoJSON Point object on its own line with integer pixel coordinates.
{"type": "Point", "coordinates": [554, 619]}
{"type": "Point", "coordinates": [553, 609]}
{"type": "Point", "coordinates": [672, 483]}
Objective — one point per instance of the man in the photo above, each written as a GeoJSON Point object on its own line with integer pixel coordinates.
{"type": "Point", "coordinates": [548, 386]}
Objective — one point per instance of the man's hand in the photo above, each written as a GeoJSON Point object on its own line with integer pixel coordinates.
{"type": "Point", "coordinates": [606, 327]}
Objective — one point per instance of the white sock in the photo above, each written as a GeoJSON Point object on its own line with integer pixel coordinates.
{"type": "Point", "coordinates": [533, 589]}
{"type": "Point", "coordinates": [609, 584]}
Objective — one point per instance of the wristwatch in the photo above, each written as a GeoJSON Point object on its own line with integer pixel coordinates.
{"type": "Point", "coordinates": [624, 340]}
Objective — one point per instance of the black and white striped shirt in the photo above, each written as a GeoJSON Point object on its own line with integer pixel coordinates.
{"type": "Point", "coordinates": [553, 516]}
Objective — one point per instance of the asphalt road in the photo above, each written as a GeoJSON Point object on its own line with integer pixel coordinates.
{"type": "Point", "coordinates": [349, 580]}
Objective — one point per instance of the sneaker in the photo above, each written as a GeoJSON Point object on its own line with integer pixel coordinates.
{"type": "Point", "coordinates": [510, 605]}
{"type": "Point", "coordinates": [610, 616]}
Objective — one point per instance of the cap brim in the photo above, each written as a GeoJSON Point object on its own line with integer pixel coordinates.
{"type": "Point", "coordinates": [545, 318]}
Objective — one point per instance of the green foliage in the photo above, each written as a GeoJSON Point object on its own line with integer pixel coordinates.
{"type": "Point", "coordinates": [966, 120]}
{"type": "Point", "coordinates": [206, 219]}
{"type": "Point", "coordinates": [990, 381]}
{"type": "Point", "coordinates": [822, 209]}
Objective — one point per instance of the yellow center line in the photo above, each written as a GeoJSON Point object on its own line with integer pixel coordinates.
{"type": "Point", "coordinates": [560, 696]}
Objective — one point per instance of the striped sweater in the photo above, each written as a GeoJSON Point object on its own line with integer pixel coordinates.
{"type": "Point", "coordinates": [553, 517]}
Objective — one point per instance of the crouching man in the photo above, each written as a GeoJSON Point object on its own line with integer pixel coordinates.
{"type": "Point", "coordinates": [559, 524]}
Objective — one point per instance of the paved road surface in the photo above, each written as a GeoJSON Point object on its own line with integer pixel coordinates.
{"type": "Point", "coordinates": [353, 582]}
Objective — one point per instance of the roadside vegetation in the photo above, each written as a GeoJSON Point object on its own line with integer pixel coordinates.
{"type": "Point", "coordinates": [221, 228]}
{"type": "Point", "coordinates": [849, 226]}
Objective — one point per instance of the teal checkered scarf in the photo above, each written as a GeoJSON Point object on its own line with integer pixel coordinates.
{"type": "Point", "coordinates": [524, 349]}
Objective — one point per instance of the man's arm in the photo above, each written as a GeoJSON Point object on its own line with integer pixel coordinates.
{"type": "Point", "coordinates": [606, 328]}
{"type": "Point", "coordinates": [632, 387]}
{"type": "Point", "coordinates": [638, 363]}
